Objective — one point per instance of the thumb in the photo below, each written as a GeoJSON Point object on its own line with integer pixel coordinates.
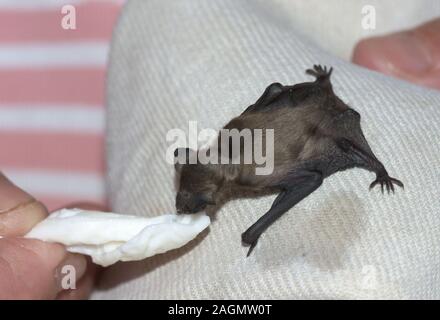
{"type": "Point", "coordinates": [413, 55]}
{"type": "Point", "coordinates": [19, 211]}
{"type": "Point", "coordinates": [29, 268]}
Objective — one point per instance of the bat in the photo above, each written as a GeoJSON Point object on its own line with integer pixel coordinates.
{"type": "Point", "coordinates": [315, 135]}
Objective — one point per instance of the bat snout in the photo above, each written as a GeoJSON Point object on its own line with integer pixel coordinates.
{"type": "Point", "coordinates": [189, 203]}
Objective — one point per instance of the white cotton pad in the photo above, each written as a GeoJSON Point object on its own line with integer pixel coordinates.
{"type": "Point", "coordinates": [110, 237]}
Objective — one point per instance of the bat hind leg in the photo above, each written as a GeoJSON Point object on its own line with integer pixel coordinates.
{"type": "Point", "coordinates": [299, 186]}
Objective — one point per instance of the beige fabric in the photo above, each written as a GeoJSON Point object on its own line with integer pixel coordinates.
{"type": "Point", "coordinates": [175, 61]}
{"type": "Point", "coordinates": [336, 24]}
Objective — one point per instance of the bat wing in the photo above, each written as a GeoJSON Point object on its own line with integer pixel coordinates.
{"type": "Point", "coordinates": [277, 96]}
{"type": "Point", "coordinates": [271, 93]}
{"type": "Point", "coordinates": [320, 91]}
{"type": "Point", "coordinates": [348, 127]}
{"type": "Point", "coordinates": [356, 146]}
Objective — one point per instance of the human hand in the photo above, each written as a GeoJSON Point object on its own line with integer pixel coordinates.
{"type": "Point", "coordinates": [413, 55]}
{"type": "Point", "coordinates": [32, 269]}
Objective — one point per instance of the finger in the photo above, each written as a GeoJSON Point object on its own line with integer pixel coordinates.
{"type": "Point", "coordinates": [19, 212]}
{"type": "Point", "coordinates": [85, 285]}
{"type": "Point", "coordinates": [32, 269]}
{"type": "Point", "coordinates": [70, 271]}
{"type": "Point", "coordinates": [413, 55]}
{"type": "Point", "coordinates": [88, 206]}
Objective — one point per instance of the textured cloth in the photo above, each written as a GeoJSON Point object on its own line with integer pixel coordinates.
{"type": "Point", "coordinates": [175, 61]}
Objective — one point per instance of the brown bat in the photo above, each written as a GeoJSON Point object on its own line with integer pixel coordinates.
{"type": "Point", "coordinates": [315, 135]}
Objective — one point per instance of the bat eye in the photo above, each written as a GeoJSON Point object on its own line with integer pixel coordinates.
{"type": "Point", "coordinates": [182, 197]}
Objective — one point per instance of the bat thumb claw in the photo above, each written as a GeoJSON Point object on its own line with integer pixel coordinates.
{"type": "Point", "coordinates": [251, 248]}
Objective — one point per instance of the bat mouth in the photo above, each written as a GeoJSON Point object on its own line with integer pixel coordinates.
{"type": "Point", "coordinates": [191, 210]}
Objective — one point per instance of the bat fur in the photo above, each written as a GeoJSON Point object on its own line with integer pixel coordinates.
{"type": "Point", "coordinates": [315, 135]}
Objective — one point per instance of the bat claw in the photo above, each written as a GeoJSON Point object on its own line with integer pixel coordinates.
{"type": "Point", "coordinates": [251, 248]}
{"type": "Point", "coordinates": [387, 182]}
{"type": "Point", "coordinates": [249, 242]}
{"type": "Point", "coordinates": [320, 72]}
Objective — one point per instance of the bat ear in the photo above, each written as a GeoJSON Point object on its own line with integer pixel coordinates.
{"type": "Point", "coordinates": [182, 157]}
{"type": "Point", "coordinates": [182, 154]}
{"type": "Point", "coordinates": [180, 151]}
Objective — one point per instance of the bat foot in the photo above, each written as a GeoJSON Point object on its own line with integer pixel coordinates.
{"type": "Point", "coordinates": [387, 182]}
{"type": "Point", "coordinates": [319, 72]}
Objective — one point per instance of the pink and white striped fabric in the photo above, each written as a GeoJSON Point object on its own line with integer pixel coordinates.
{"type": "Point", "coordinates": [52, 97]}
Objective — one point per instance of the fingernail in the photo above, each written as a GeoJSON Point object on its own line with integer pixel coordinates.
{"type": "Point", "coordinates": [10, 195]}
{"type": "Point", "coordinates": [70, 271]}
{"type": "Point", "coordinates": [19, 211]}
{"type": "Point", "coordinates": [18, 206]}
{"type": "Point", "coordinates": [18, 220]}
{"type": "Point", "coordinates": [405, 53]}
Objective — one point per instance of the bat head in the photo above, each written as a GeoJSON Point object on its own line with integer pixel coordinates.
{"type": "Point", "coordinates": [198, 183]}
